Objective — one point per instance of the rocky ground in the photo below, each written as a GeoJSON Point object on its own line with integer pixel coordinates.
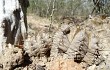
{"type": "Point", "coordinates": [72, 45]}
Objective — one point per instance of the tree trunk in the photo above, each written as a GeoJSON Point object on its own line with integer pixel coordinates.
{"type": "Point", "coordinates": [13, 22]}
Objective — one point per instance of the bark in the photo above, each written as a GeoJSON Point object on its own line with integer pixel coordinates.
{"type": "Point", "coordinates": [13, 22]}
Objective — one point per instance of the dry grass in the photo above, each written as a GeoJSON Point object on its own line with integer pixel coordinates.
{"type": "Point", "coordinates": [35, 20]}
{"type": "Point", "coordinates": [39, 22]}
